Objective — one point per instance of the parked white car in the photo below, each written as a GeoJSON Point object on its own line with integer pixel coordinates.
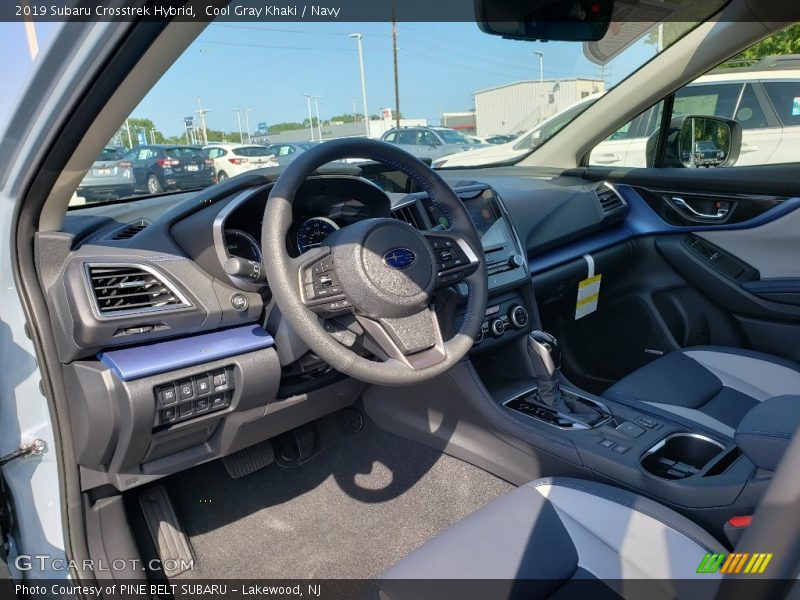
{"type": "Point", "coordinates": [764, 98]}
{"type": "Point", "coordinates": [233, 159]}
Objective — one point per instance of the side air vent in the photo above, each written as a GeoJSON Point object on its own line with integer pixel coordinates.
{"type": "Point", "coordinates": [611, 202]}
{"type": "Point", "coordinates": [130, 230]}
{"type": "Point", "coordinates": [124, 289]}
{"type": "Point", "coordinates": [408, 213]}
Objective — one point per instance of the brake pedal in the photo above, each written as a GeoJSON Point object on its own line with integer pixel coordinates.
{"type": "Point", "coordinates": [249, 460]}
{"type": "Point", "coordinates": [166, 530]}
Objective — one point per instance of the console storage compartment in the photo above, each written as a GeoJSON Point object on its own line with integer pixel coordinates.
{"type": "Point", "coordinates": [681, 455]}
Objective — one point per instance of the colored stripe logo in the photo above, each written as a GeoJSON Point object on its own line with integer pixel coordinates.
{"type": "Point", "coordinates": [738, 562]}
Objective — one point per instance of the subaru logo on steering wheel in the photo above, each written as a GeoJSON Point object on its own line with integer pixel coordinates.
{"type": "Point", "coordinates": [399, 258]}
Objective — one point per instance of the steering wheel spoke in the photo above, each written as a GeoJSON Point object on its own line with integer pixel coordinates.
{"type": "Point", "coordinates": [320, 288]}
{"type": "Point", "coordinates": [455, 258]}
{"type": "Point", "coordinates": [416, 341]}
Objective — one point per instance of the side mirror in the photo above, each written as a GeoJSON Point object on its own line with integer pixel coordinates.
{"type": "Point", "coordinates": [695, 141]}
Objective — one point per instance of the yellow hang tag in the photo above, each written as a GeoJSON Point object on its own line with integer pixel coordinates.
{"type": "Point", "coordinates": [588, 295]}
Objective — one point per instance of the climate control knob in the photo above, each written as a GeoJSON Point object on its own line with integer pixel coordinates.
{"type": "Point", "coordinates": [518, 316]}
{"type": "Point", "coordinates": [497, 327]}
{"type": "Point", "coordinates": [515, 261]}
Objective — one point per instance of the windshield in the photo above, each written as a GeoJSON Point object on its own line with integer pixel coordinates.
{"type": "Point", "coordinates": [509, 96]}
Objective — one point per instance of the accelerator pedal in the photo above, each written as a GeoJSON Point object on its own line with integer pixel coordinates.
{"type": "Point", "coordinates": [249, 460]}
{"type": "Point", "coordinates": [166, 530]}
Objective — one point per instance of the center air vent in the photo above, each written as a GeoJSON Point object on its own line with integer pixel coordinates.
{"type": "Point", "coordinates": [610, 201]}
{"type": "Point", "coordinates": [122, 289]}
{"type": "Point", "coordinates": [408, 213]}
{"type": "Point", "coordinates": [130, 230]}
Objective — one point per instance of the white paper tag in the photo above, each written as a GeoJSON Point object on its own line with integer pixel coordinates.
{"type": "Point", "coordinates": [588, 291]}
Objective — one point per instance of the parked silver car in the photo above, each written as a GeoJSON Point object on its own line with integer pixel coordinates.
{"type": "Point", "coordinates": [430, 142]}
{"type": "Point", "coordinates": [286, 152]}
{"type": "Point", "coordinates": [109, 178]}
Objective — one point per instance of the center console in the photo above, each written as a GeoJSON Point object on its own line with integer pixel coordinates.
{"type": "Point", "coordinates": [507, 312]}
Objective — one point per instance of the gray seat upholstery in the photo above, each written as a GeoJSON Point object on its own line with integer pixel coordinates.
{"type": "Point", "coordinates": [711, 386]}
{"type": "Point", "coordinates": [554, 532]}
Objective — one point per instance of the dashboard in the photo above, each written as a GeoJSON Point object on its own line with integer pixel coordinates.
{"type": "Point", "coordinates": [146, 306]}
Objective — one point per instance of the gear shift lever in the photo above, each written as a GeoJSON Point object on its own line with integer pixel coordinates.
{"type": "Point", "coordinates": [546, 358]}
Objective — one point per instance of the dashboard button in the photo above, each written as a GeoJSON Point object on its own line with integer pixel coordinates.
{"type": "Point", "coordinates": [167, 395]}
{"type": "Point", "coordinates": [167, 415]}
{"type": "Point", "coordinates": [185, 390]}
{"type": "Point", "coordinates": [201, 405]}
{"type": "Point", "coordinates": [630, 429]}
{"type": "Point", "coordinates": [218, 401]}
{"type": "Point", "coordinates": [606, 443]}
{"type": "Point", "coordinates": [202, 385]}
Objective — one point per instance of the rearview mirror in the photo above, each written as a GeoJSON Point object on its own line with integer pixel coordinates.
{"type": "Point", "coordinates": [695, 141]}
{"type": "Point", "coordinates": [557, 20]}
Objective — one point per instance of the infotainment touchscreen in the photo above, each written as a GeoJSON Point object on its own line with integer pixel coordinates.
{"type": "Point", "coordinates": [483, 210]}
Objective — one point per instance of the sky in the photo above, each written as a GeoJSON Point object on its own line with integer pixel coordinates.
{"type": "Point", "coordinates": [267, 67]}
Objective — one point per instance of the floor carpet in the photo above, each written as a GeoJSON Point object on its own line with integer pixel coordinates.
{"type": "Point", "coordinates": [350, 512]}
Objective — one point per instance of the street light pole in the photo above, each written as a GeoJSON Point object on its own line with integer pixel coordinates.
{"type": "Point", "coordinates": [319, 121]}
{"type": "Point", "coordinates": [357, 38]}
{"type": "Point", "coordinates": [239, 118]}
{"type": "Point", "coordinates": [310, 116]}
{"type": "Point", "coordinates": [247, 112]}
{"type": "Point", "coordinates": [540, 54]}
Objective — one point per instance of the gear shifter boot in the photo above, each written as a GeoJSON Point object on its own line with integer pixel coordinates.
{"type": "Point", "coordinates": [546, 359]}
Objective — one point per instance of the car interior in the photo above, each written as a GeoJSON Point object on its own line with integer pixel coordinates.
{"type": "Point", "coordinates": [546, 371]}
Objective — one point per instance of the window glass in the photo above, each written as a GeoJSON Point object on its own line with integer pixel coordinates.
{"type": "Point", "coordinates": [407, 137]}
{"type": "Point", "coordinates": [391, 137]}
{"type": "Point", "coordinates": [426, 138]}
{"type": "Point", "coordinates": [707, 99]}
{"type": "Point", "coordinates": [749, 112]}
{"type": "Point", "coordinates": [110, 154]}
{"type": "Point", "coordinates": [785, 98]}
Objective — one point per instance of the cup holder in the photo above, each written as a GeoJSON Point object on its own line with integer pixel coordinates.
{"type": "Point", "coordinates": [680, 455]}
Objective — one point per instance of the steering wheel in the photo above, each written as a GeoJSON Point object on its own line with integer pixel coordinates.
{"type": "Point", "coordinates": [382, 271]}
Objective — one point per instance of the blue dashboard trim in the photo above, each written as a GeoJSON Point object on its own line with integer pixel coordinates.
{"type": "Point", "coordinates": [150, 359]}
{"type": "Point", "coordinates": [641, 221]}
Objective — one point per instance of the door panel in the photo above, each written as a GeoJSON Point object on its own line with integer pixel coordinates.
{"type": "Point", "coordinates": [731, 282]}
{"type": "Point", "coordinates": [773, 248]}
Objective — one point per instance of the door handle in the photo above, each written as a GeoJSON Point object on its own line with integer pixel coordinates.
{"type": "Point", "coordinates": [684, 207]}
{"type": "Point", "coordinates": [605, 159]}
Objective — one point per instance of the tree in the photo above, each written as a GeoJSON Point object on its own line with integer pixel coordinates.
{"type": "Point", "coordinates": [786, 41]}
{"type": "Point", "coordinates": [136, 126]}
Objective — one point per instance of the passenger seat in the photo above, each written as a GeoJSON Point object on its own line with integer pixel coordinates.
{"type": "Point", "coordinates": [711, 386]}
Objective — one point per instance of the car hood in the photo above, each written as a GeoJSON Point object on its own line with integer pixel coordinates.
{"type": "Point", "coordinates": [492, 153]}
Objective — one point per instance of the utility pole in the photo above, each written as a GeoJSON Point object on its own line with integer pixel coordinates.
{"type": "Point", "coordinates": [396, 77]}
{"type": "Point", "coordinates": [202, 113]}
{"type": "Point", "coordinates": [355, 114]}
{"type": "Point", "coordinates": [319, 121]}
{"type": "Point", "coordinates": [357, 38]}
{"type": "Point", "coordinates": [128, 129]}
{"type": "Point", "coordinates": [153, 135]}
{"type": "Point", "coordinates": [247, 112]}
{"type": "Point", "coordinates": [310, 116]}
{"type": "Point", "coordinates": [239, 119]}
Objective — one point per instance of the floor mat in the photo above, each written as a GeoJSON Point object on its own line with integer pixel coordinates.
{"type": "Point", "coordinates": [351, 512]}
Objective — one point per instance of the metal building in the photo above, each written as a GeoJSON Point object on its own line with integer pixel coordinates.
{"type": "Point", "coordinates": [516, 107]}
